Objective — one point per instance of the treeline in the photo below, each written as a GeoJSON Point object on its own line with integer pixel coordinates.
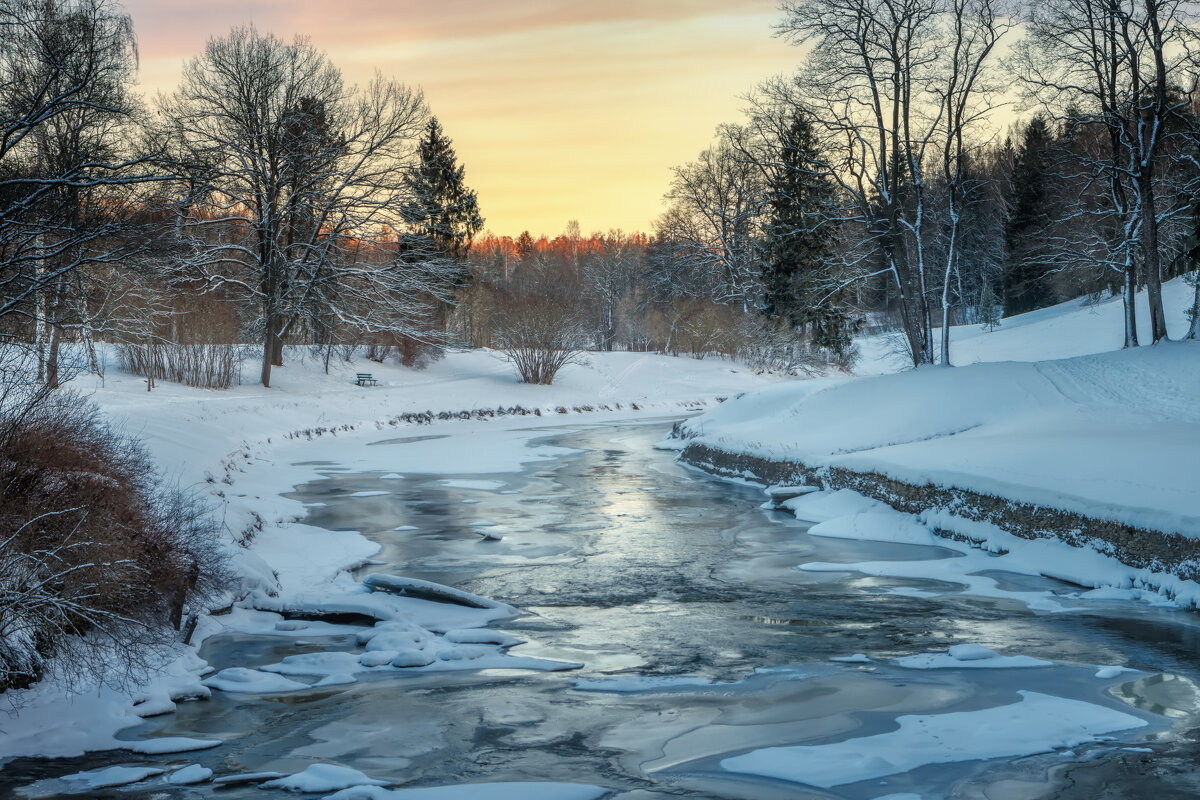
{"type": "Point", "coordinates": [873, 180]}
{"type": "Point", "coordinates": [618, 291]}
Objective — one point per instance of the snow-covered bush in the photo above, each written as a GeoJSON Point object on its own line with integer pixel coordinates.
{"type": "Point", "coordinates": [102, 557]}
{"type": "Point", "coordinates": [539, 336]}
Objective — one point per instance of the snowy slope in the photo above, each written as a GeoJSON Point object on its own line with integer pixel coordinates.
{"type": "Point", "coordinates": [1075, 328]}
{"type": "Point", "coordinates": [1112, 435]}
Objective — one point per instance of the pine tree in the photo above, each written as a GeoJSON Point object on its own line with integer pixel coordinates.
{"type": "Point", "coordinates": [443, 208]}
{"type": "Point", "coordinates": [1025, 283]}
{"type": "Point", "coordinates": [989, 308]}
{"type": "Point", "coordinates": [524, 246]}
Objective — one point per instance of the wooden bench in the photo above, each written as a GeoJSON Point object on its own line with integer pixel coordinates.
{"type": "Point", "coordinates": [365, 379]}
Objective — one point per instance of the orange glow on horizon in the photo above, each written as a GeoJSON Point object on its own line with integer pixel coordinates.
{"type": "Point", "coordinates": [559, 110]}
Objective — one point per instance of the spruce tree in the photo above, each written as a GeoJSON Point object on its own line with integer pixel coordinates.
{"type": "Point", "coordinates": [443, 208]}
{"type": "Point", "coordinates": [1025, 283]}
{"type": "Point", "coordinates": [798, 234]}
{"type": "Point", "coordinates": [989, 308]}
{"type": "Point", "coordinates": [524, 246]}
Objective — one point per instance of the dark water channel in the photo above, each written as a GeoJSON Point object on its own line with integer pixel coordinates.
{"type": "Point", "coordinates": [633, 565]}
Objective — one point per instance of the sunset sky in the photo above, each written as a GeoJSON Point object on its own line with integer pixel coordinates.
{"type": "Point", "coordinates": [560, 110]}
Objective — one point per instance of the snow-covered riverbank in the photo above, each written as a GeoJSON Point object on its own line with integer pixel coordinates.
{"type": "Point", "coordinates": [1106, 436]}
{"type": "Point", "coordinates": [244, 447]}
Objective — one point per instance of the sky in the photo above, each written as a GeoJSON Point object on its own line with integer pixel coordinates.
{"type": "Point", "coordinates": [559, 109]}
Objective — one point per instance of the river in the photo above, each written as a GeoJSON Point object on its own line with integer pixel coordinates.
{"type": "Point", "coordinates": [632, 565]}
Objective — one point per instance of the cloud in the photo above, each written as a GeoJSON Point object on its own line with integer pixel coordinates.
{"type": "Point", "coordinates": [560, 109]}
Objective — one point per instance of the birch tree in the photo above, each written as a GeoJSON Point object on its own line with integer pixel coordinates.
{"type": "Point", "coordinates": [966, 97]}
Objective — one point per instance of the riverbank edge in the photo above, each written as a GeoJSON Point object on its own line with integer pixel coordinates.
{"type": "Point", "coordinates": [1138, 548]}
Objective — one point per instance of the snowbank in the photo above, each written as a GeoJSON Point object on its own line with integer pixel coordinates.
{"type": "Point", "coordinates": [1111, 436]}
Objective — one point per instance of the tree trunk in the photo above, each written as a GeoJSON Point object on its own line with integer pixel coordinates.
{"type": "Point", "coordinates": [1129, 294]}
{"type": "Point", "coordinates": [276, 342]}
{"type": "Point", "coordinates": [268, 351]}
{"type": "Point", "coordinates": [1152, 260]}
{"type": "Point", "coordinates": [52, 356]}
{"type": "Point", "coordinates": [1194, 330]}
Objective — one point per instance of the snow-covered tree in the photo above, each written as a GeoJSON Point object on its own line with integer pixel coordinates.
{"type": "Point", "coordinates": [69, 182]}
{"type": "Point", "coordinates": [293, 190]}
{"type": "Point", "coordinates": [442, 208]}
{"type": "Point", "coordinates": [990, 310]}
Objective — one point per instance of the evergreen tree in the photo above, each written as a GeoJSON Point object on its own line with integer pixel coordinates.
{"type": "Point", "coordinates": [1025, 283]}
{"type": "Point", "coordinates": [443, 208]}
{"type": "Point", "coordinates": [989, 308]}
{"type": "Point", "coordinates": [798, 231]}
{"type": "Point", "coordinates": [524, 246]}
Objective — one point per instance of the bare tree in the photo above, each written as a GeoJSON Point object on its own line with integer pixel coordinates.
{"type": "Point", "coordinates": [294, 189]}
{"type": "Point", "coordinates": [608, 277]}
{"type": "Point", "coordinates": [539, 327]}
{"type": "Point", "coordinates": [869, 78]}
{"type": "Point", "coordinates": [1119, 65]}
{"type": "Point", "coordinates": [713, 225]}
{"type": "Point", "coordinates": [68, 178]}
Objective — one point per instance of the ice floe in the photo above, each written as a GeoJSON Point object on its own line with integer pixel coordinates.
{"type": "Point", "coordinates": [1036, 723]}
{"type": "Point", "coordinates": [968, 656]}
{"type": "Point", "coordinates": [323, 778]}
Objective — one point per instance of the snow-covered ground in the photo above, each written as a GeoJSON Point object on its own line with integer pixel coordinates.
{"type": "Point", "coordinates": [1110, 434]}
{"type": "Point", "coordinates": [243, 447]}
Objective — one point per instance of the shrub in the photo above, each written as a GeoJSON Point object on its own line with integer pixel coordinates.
{"type": "Point", "coordinates": [539, 336]}
{"type": "Point", "coordinates": [103, 557]}
{"type": "Point", "coordinates": [206, 366]}
{"type": "Point", "coordinates": [410, 351]}
{"type": "Point", "coordinates": [180, 334]}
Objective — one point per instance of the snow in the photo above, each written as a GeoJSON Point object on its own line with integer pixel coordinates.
{"type": "Point", "coordinates": [1108, 434]}
{"type": "Point", "coordinates": [247, 777]}
{"type": "Point", "coordinates": [856, 658]}
{"type": "Point", "coordinates": [171, 744]}
{"type": "Point", "coordinates": [251, 681]}
{"type": "Point", "coordinates": [1036, 723]}
{"type": "Point", "coordinates": [479, 791]}
{"type": "Point", "coordinates": [90, 781]}
{"type": "Point", "coordinates": [322, 778]}
{"type": "Point", "coordinates": [379, 581]}
{"type": "Point", "coordinates": [191, 774]}
{"type": "Point", "coordinates": [968, 656]}
{"type": "Point", "coordinates": [1108, 673]}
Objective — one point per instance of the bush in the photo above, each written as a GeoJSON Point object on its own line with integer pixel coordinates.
{"type": "Point", "coordinates": [539, 336]}
{"type": "Point", "coordinates": [103, 557]}
{"type": "Point", "coordinates": [206, 366]}
{"type": "Point", "coordinates": [410, 351]}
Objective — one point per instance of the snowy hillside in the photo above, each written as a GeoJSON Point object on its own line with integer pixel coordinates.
{"type": "Point", "coordinates": [1075, 328]}
{"type": "Point", "coordinates": [1111, 435]}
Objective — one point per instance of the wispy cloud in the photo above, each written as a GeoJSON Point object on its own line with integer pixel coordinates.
{"type": "Point", "coordinates": [559, 109]}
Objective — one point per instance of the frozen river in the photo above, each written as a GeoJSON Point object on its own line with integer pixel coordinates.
{"type": "Point", "coordinates": [706, 655]}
